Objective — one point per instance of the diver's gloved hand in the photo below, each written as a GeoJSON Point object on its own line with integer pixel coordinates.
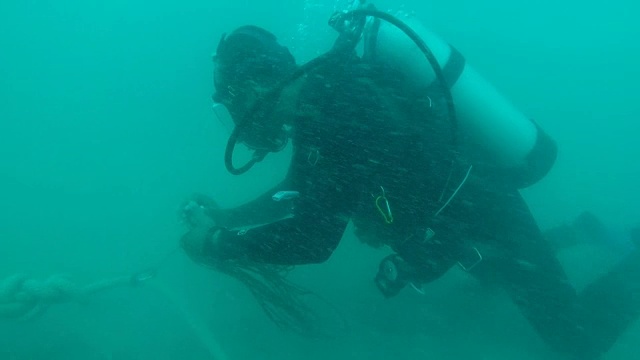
{"type": "Point", "coordinates": [210, 246]}
{"type": "Point", "coordinates": [205, 222]}
{"type": "Point", "coordinates": [198, 210]}
{"type": "Point", "coordinates": [194, 215]}
{"type": "Point", "coordinates": [202, 236]}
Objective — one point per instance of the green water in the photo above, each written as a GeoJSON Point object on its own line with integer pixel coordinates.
{"type": "Point", "coordinates": [106, 126]}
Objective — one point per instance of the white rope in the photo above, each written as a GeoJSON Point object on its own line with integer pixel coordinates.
{"type": "Point", "coordinates": [25, 298]}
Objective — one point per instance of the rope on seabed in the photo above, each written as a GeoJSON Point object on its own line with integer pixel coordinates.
{"type": "Point", "coordinates": [25, 298]}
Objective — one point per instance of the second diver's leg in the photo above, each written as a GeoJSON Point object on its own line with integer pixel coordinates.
{"type": "Point", "coordinates": [518, 258]}
{"type": "Point", "coordinates": [613, 301]}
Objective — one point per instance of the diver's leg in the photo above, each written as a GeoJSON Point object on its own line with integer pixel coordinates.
{"type": "Point", "coordinates": [517, 256]}
{"type": "Point", "coordinates": [613, 301]}
{"type": "Point", "coordinates": [540, 288]}
{"type": "Point", "coordinates": [584, 325]}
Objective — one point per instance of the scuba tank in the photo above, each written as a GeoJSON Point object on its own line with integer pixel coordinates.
{"type": "Point", "coordinates": [493, 134]}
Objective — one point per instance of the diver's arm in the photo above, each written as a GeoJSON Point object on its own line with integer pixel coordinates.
{"type": "Point", "coordinates": [261, 210]}
{"type": "Point", "coordinates": [291, 241]}
{"type": "Point", "coordinates": [308, 235]}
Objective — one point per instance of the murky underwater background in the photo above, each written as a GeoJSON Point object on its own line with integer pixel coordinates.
{"type": "Point", "coordinates": [106, 127]}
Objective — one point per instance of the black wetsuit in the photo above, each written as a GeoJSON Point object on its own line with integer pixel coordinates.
{"type": "Point", "coordinates": [350, 146]}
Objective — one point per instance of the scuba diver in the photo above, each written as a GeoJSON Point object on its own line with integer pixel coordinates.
{"type": "Point", "coordinates": [378, 141]}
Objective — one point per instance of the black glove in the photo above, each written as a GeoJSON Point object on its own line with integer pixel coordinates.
{"type": "Point", "coordinates": [199, 215]}
{"type": "Point", "coordinates": [199, 209]}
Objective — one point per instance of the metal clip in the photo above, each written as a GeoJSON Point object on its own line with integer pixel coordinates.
{"type": "Point", "coordinates": [385, 210]}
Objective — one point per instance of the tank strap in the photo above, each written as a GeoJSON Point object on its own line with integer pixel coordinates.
{"type": "Point", "coordinates": [454, 67]}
